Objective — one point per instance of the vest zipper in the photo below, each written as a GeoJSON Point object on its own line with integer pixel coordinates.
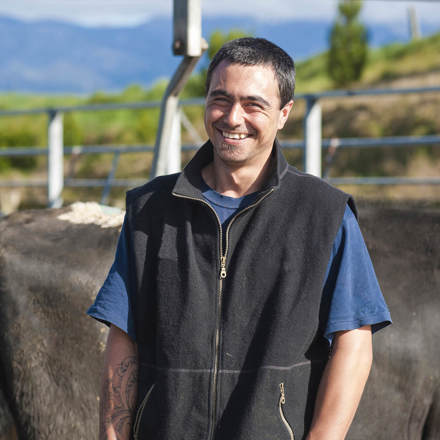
{"type": "Point", "coordinates": [281, 403]}
{"type": "Point", "coordinates": [222, 276]}
{"type": "Point", "coordinates": [223, 258]}
{"type": "Point", "coordinates": [223, 267]}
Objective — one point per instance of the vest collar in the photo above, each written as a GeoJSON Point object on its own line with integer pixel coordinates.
{"type": "Point", "coordinates": [189, 182]}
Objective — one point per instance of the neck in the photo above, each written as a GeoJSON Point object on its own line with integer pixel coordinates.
{"type": "Point", "coordinates": [235, 180]}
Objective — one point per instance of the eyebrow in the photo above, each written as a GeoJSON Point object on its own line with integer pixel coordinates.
{"type": "Point", "coordinates": [256, 98]}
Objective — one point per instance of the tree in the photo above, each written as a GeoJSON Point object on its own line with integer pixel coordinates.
{"type": "Point", "coordinates": [348, 45]}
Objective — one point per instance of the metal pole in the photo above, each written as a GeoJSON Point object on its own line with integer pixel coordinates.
{"type": "Point", "coordinates": [187, 28]}
{"type": "Point", "coordinates": [312, 137]}
{"type": "Point", "coordinates": [196, 138]}
{"type": "Point", "coordinates": [55, 171]}
{"type": "Point", "coordinates": [188, 41]}
{"type": "Point", "coordinates": [111, 176]}
{"type": "Point", "coordinates": [413, 23]}
{"type": "Point", "coordinates": [175, 145]}
{"type": "Point", "coordinates": [168, 110]}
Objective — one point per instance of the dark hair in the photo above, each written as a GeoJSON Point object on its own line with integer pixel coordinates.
{"type": "Point", "coordinates": [258, 51]}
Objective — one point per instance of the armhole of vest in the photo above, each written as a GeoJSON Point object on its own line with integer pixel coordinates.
{"type": "Point", "coordinates": [352, 205]}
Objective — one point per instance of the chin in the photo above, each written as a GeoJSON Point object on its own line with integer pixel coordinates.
{"type": "Point", "coordinates": [227, 150]}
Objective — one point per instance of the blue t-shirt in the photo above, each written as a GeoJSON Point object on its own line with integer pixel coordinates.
{"type": "Point", "coordinates": [351, 294]}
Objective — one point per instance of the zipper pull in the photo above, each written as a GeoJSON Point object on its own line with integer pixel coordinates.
{"type": "Point", "coordinates": [223, 267]}
{"type": "Point", "coordinates": [283, 395]}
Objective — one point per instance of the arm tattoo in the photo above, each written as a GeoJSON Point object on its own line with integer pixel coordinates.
{"type": "Point", "coordinates": [118, 399]}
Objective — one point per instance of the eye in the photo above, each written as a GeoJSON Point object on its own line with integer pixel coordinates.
{"type": "Point", "coordinates": [220, 100]}
{"type": "Point", "coordinates": [254, 105]}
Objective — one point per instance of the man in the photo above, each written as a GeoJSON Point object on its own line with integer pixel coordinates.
{"type": "Point", "coordinates": [242, 298]}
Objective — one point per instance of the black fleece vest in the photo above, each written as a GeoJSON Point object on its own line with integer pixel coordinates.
{"type": "Point", "coordinates": [230, 340]}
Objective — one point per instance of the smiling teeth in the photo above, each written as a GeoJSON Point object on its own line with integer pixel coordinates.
{"type": "Point", "coordinates": [233, 135]}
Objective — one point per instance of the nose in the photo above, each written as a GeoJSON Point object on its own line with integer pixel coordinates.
{"type": "Point", "coordinates": [234, 116]}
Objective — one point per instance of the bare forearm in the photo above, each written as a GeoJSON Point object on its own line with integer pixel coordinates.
{"type": "Point", "coordinates": [342, 385]}
{"type": "Point", "coordinates": [119, 387]}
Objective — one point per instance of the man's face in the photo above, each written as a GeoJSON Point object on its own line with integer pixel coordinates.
{"type": "Point", "coordinates": [242, 114]}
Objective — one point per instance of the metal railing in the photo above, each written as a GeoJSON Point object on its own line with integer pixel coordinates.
{"type": "Point", "coordinates": [312, 144]}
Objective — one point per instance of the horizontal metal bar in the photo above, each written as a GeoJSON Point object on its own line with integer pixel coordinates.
{"type": "Point", "coordinates": [121, 183]}
{"type": "Point", "coordinates": [95, 149]}
{"type": "Point", "coordinates": [92, 149]}
{"type": "Point", "coordinates": [75, 183]}
{"type": "Point", "coordinates": [393, 141]}
{"type": "Point", "coordinates": [367, 92]}
{"type": "Point", "coordinates": [23, 183]}
{"type": "Point", "coordinates": [81, 108]}
{"type": "Point", "coordinates": [23, 151]}
{"type": "Point", "coordinates": [87, 149]}
{"type": "Point", "coordinates": [201, 101]}
{"type": "Point", "coordinates": [79, 149]}
{"type": "Point", "coordinates": [192, 102]}
{"type": "Point", "coordinates": [389, 141]}
{"type": "Point", "coordinates": [291, 145]}
{"type": "Point", "coordinates": [384, 180]}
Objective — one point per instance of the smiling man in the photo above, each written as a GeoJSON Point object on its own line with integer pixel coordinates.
{"type": "Point", "coordinates": [242, 298]}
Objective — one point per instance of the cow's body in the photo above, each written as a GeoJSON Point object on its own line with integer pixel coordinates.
{"type": "Point", "coordinates": [402, 398]}
{"type": "Point", "coordinates": [51, 352]}
{"type": "Point", "coordinates": [51, 269]}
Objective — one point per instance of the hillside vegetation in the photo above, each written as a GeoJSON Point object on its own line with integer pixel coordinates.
{"type": "Point", "coordinates": [385, 65]}
{"type": "Point", "coordinates": [416, 64]}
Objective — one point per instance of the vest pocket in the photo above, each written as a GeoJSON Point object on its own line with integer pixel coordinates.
{"type": "Point", "coordinates": [281, 404]}
{"type": "Point", "coordinates": [140, 411]}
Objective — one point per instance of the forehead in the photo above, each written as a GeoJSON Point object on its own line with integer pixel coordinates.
{"type": "Point", "coordinates": [244, 79]}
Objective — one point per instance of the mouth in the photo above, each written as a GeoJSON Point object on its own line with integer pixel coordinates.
{"type": "Point", "coordinates": [233, 135]}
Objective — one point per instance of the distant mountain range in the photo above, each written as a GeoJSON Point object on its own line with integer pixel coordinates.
{"type": "Point", "coordinates": [58, 57]}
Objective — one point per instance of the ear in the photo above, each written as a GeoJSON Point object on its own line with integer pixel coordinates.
{"type": "Point", "coordinates": [284, 114]}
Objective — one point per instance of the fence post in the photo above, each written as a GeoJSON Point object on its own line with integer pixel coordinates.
{"type": "Point", "coordinates": [174, 162]}
{"type": "Point", "coordinates": [188, 42]}
{"type": "Point", "coordinates": [55, 168]}
{"type": "Point", "coordinates": [313, 137]}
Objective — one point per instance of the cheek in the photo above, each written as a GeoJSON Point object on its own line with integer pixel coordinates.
{"type": "Point", "coordinates": [212, 114]}
{"type": "Point", "coordinates": [261, 122]}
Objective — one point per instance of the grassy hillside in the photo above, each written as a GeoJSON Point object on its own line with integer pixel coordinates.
{"type": "Point", "coordinates": [415, 64]}
{"type": "Point", "coordinates": [391, 62]}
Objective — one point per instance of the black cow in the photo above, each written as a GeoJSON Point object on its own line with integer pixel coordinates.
{"type": "Point", "coordinates": [51, 269]}
{"type": "Point", "coordinates": [402, 397]}
{"type": "Point", "coordinates": [51, 352]}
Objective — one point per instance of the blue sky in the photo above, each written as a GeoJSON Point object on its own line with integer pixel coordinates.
{"type": "Point", "coordinates": [132, 12]}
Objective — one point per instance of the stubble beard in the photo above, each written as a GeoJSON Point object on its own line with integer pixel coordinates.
{"type": "Point", "coordinates": [229, 153]}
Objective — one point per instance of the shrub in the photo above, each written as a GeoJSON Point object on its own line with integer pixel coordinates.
{"type": "Point", "coordinates": [348, 45]}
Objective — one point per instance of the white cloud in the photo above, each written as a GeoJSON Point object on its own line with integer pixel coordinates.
{"type": "Point", "coordinates": [131, 12]}
{"type": "Point", "coordinates": [273, 9]}
{"type": "Point", "coordinates": [88, 12]}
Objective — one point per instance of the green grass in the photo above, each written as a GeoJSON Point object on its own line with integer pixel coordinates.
{"type": "Point", "coordinates": [399, 60]}
{"type": "Point", "coordinates": [389, 62]}
{"type": "Point", "coordinates": [311, 75]}
{"type": "Point", "coordinates": [25, 101]}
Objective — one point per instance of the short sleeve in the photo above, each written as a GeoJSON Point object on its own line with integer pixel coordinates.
{"type": "Point", "coordinates": [113, 302]}
{"type": "Point", "coordinates": [351, 297]}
